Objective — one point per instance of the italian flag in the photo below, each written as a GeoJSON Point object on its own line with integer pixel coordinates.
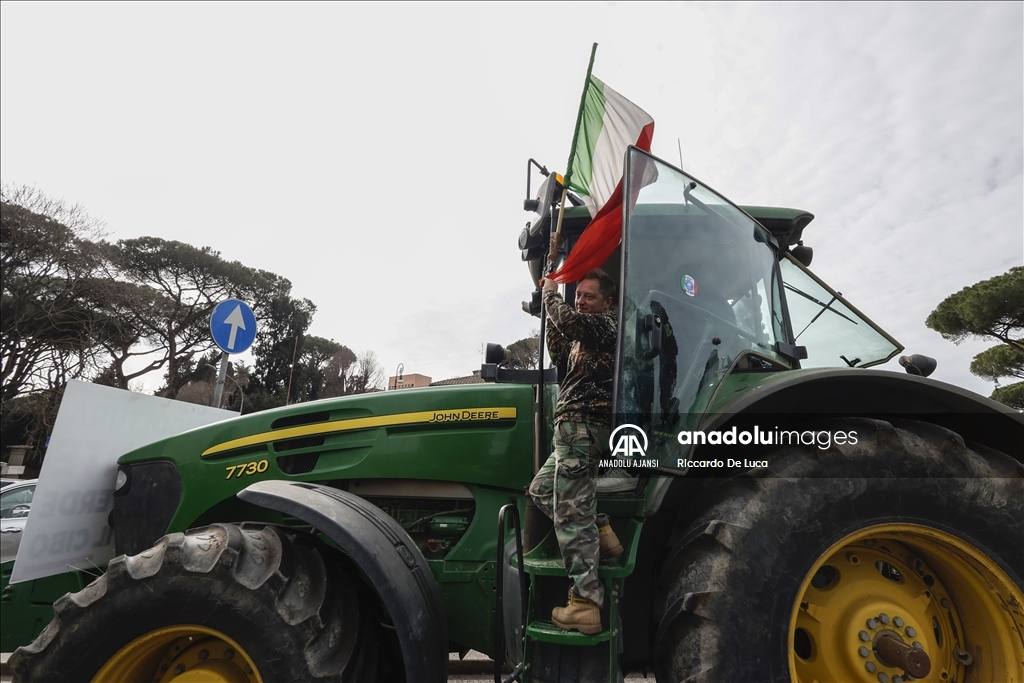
{"type": "Point", "coordinates": [607, 125]}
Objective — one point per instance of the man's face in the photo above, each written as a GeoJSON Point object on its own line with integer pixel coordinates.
{"type": "Point", "coordinates": [589, 299]}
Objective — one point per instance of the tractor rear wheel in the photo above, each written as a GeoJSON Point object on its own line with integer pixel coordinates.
{"type": "Point", "coordinates": [238, 603]}
{"type": "Point", "coordinates": [897, 557]}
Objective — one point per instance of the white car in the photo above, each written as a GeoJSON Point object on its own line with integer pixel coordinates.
{"type": "Point", "coordinates": [15, 502]}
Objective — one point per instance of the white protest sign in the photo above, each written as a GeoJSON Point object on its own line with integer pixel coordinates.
{"type": "Point", "coordinates": [67, 525]}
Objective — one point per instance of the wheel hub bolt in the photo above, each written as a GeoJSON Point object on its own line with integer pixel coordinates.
{"type": "Point", "coordinates": [911, 632]}
{"type": "Point", "coordinates": [204, 655]}
{"type": "Point", "coordinates": [180, 669]}
{"type": "Point", "coordinates": [884, 618]}
{"type": "Point", "coordinates": [897, 679]}
{"type": "Point", "coordinates": [883, 677]}
{"type": "Point", "coordinates": [863, 651]}
{"type": "Point", "coordinates": [863, 635]}
{"type": "Point", "coordinates": [870, 666]}
{"type": "Point", "coordinates": [944, 602]}
{"type": "Point", "coordinates": [918, 645]}
{"type": "Point", "coordinates": [897, 622]}
{"type": "Point", "coordinates": [872, 623]}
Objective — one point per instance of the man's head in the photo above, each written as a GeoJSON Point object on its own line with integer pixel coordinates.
{"type": "Point", "coordinates": [595, 292]}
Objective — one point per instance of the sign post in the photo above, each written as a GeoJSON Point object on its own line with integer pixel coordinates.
{"type": "Point", "coordinates": [233, 327]}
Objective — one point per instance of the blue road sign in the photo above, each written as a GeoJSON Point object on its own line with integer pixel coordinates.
{"type": "Point", "coordinates": [233, 326]}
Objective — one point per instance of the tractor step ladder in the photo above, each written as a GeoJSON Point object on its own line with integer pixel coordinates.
{"type": "Point", "coordinates": [544, 564]}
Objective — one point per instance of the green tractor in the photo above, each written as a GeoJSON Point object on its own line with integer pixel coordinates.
{"type": "Point", "coordinates": [791, 516]}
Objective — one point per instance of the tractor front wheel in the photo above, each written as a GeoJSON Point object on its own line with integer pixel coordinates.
{"type": "Point", "coordinates": [234, 603]}
{"type": "Point", "coordinates": [892, 559]}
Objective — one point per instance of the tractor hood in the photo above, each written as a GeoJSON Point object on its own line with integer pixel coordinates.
{"type": "Point", "coordinates": [472, 434]}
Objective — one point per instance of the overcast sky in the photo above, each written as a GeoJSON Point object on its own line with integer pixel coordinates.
{"type": "Point", "coordinates": [375, 154]}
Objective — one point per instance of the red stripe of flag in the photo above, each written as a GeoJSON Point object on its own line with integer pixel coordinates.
{"type": "Point", "coordinates": [604, 232]}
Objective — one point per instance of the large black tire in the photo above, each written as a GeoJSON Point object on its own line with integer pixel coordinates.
{"type": "Point", "coordinates": [910, 522]}
{"type": "Point", "coordinates": [246, 602]}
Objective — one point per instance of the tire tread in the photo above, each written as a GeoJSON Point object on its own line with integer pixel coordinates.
{"type": "Point", "coordinates": [259, 565]}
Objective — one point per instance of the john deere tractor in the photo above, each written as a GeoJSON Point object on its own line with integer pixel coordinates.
{"type": "Point", "coordinates": [788, 514]}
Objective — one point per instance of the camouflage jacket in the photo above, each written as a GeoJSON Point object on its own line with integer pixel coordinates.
{"type": "Point", "coordinates": [585, 344]}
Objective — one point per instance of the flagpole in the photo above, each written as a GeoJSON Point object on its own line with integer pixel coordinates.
{"type": "Point", "coordinates": [556, 237]}
{"type": "Point", "coordinates": [540, 448]}
{"type": "Point", "coordinates": [579, 115]}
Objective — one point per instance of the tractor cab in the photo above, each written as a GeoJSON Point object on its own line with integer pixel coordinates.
{"type": "Point", "coordinates": [707, 289]}
{"type": "Point", "coordinates": [706, 296]}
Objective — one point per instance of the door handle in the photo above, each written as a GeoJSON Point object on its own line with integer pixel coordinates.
{"type": "Point", "coordinates": [652, 323]}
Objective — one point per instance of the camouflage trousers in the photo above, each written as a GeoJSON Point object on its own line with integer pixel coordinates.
{"type": "Point", "coordinates": [565, 489]}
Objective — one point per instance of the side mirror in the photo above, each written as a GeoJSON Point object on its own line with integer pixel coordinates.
{"type": "Point", "coordinates": [803, 254]}
{"type": "Point", "coordinates": [918, 364]}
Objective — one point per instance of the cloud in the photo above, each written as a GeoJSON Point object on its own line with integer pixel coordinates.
{"type": "Point", "coordinates": [376, 158]}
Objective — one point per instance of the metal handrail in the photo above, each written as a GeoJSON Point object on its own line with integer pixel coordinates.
{"type": "Point", "coordinates": [499, 612]}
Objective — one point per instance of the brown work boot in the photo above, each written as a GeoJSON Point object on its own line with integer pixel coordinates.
{"type": "Point", "coordinates": [579, 614]}
{"type": "Point", "coordinates": [610, 546]}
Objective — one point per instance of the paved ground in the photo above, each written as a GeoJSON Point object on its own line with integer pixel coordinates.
{"type": "Point", "coordinates": [484, 670]}
{"type": "Point", "coordinates": [479, 664]}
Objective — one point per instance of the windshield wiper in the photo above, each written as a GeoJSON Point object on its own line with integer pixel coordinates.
{"type": "Point", "coordinates": [824, 307]}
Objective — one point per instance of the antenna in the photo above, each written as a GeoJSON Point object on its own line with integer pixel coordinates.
{"type": "Point", "coordinates": [680, 145]}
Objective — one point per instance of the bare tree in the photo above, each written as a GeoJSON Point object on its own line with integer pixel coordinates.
{"type": "Point", "coordinates": [367, 374]}
{"type": "Point", "coordinates": [73, 216]}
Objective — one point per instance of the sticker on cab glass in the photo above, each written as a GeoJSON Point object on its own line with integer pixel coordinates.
{"type": "Point", "coordinates": [689, 285]}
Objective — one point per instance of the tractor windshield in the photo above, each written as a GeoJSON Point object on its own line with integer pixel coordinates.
{"type": "Point", "coordinates": [709, 274]}
{"type": "Point", "coordinates": [833, 331]}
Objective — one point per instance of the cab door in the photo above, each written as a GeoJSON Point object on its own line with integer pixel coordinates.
{"type": "Point", "coordinates": [700, 289]}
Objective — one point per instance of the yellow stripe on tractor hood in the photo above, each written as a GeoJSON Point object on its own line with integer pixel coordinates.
{"type": "Point", "coordinates": [422, 417]}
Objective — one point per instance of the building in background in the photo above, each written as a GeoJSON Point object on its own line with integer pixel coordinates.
{"type": "Point", "coordinates": [408, 381]}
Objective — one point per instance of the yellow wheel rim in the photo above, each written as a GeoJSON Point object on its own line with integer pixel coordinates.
{"type": "Point", "coordinates": [929, 589]}
{"type": "Point", "coordinates": [181, 654]}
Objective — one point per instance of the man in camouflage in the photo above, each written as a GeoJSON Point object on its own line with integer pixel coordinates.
{"type": "Point", "coordinates": [565, 488]}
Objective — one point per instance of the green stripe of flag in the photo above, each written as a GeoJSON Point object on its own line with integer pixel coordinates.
{"type": "Point", "coordinates": [581, 166]}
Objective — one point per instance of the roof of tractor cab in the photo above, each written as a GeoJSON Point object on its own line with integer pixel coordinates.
{"type": "Point", "coordinates": [786, 224]}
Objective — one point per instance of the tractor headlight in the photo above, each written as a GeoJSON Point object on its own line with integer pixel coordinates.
{"type": "Point", "coordinates": [121, 483]}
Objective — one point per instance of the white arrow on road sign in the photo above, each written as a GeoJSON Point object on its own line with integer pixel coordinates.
{"type": "Point", "coordinates": [236, 321]}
